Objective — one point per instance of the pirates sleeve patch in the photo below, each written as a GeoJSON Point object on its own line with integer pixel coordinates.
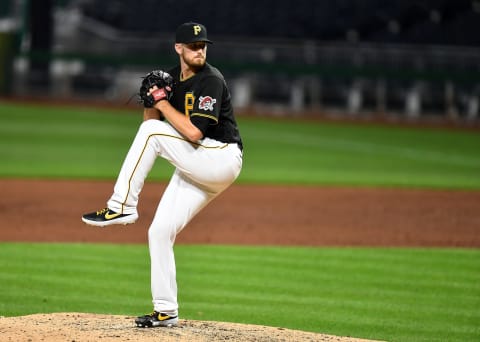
{"type": "Point", "coordinates": [206, 103]}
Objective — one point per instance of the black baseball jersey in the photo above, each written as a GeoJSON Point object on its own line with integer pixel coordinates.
{"type": "Point", "coordinates": [205, 98]}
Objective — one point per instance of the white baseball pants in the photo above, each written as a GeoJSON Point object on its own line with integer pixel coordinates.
{"type": "Point", "coordinates": [202, 172]}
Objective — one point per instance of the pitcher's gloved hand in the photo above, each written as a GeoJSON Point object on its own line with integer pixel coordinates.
{"type": "Point", "coordinates": [164, 83]}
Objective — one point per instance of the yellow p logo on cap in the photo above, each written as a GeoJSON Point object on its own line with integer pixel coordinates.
{"type": "Point", "coordinates": [196, 30]}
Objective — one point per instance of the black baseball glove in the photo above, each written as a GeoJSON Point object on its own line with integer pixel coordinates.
{"type": "Point", "coordinates": [163, 81]}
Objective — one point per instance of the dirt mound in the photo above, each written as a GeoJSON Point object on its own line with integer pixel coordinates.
{"type": "Point", "coordinates": [90, 327]}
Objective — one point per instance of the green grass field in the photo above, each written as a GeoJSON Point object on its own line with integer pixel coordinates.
{"type": "Point", "coordinates": [91, 143]}
{"type": "Point", "coordinates": [387, 294]}
{"type": "Point", "coordinates": [394, 294]}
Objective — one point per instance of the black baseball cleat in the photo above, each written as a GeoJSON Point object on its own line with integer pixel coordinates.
{"type": "Point", "coordinates": [156, 319]}
{"type": "Point", "coordinates": [106, 217]}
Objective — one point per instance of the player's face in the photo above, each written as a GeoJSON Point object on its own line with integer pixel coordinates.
{"type": "Point", "coordinates": [194, 54]}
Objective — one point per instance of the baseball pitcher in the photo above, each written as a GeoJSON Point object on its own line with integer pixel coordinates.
{"type": "Point", "coordinates": [189, 121]}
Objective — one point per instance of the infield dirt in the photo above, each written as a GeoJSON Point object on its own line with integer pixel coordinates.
{"type": "Point", "coordinates": [50, 211]}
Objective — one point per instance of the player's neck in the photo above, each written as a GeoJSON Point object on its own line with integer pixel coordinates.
{"type": "Point", "coordinates": [186, 73]}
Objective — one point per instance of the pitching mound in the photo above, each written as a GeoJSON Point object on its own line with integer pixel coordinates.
{"type": "Point", "coordinates": [91, 327]}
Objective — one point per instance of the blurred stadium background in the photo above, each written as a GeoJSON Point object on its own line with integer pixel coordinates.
{"type": "Point", "coordinates": [409, 60]}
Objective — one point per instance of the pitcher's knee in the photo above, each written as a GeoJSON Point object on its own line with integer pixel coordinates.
{"type": "Point", "coordinates": [162, 232]}
{"type": "Point", "coordinates": [154, 126]}
{"type": "Point", "coordinates": [147, 126]}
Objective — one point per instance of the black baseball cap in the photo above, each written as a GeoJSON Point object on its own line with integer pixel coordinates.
{"type": "Point", "coordinates": [190, 33]}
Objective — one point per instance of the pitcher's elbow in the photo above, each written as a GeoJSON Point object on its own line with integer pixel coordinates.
{"type": "Point", "coordinates": [194, 135]}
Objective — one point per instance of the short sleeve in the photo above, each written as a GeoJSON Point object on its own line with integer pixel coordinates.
{"type": "Point", "coordinates": [208, 100]}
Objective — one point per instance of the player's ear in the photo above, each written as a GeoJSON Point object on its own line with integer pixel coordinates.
{"type": "Point", "coordinates": [178, 48]}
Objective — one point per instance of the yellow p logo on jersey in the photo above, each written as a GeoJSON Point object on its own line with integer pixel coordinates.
{"type": "Point", "coordinates": [196, 29]}
{"type": "Point", "coordinates": [189, 101]}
